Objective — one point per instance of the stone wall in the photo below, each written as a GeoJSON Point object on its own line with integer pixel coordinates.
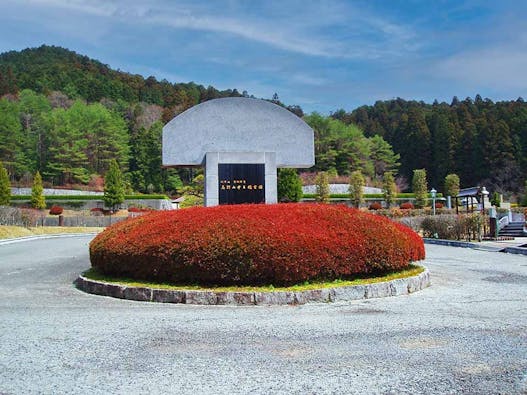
{"type": "Point", "coordinates": [53, 192]}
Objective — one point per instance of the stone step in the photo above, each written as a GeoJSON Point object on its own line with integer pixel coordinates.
{"type": "Point", "coordinates": [511, 234]}
{"type": "Point", "coordinates": [514, 229]}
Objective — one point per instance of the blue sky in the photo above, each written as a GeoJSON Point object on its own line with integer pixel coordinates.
{"type": "Point", "coordinates": [322, 55]}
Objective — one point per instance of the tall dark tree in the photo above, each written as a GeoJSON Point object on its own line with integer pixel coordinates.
{"type": "Point", "coordinates": [5, 187]}
{"type": "Point", "coordinates": [113, 186]}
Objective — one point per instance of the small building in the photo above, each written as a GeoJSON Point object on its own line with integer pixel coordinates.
{"type": "Point", "coordinates": [177, 202]}
{"type": "Point", "coordinates": [474, 197]}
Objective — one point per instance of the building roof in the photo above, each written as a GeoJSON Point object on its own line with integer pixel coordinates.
{"type": "Point", "coordinates": [238, 124]}
{"type": "Point", "coordinates": [474, 191]}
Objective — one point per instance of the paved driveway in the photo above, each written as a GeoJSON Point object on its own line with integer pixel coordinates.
{"type": "Point", "coordinates": [467, 333]}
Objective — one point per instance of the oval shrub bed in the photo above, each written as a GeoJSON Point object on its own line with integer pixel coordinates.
{"type": "Point", "coordinates": [278, 244]}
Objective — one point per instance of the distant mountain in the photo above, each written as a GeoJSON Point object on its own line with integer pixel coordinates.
{"type": "Point", "coordinates": [50, 68]}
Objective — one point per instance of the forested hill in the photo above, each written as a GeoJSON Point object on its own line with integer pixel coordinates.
{"type": "Point", "coordinates": [67, 116]}
{"type": "Point", "coordinates": [482, 141]}
{"type": "Point", "coordinates": [49, 68]}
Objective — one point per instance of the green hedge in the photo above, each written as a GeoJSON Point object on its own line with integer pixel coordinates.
{"type": "Point", "coordinates": [87, 197]}
{"type": "Point", "coordinates": [369, 196]}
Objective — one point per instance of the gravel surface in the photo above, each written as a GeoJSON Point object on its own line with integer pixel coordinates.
{"type": "Point", "coordinates": [467, 333]}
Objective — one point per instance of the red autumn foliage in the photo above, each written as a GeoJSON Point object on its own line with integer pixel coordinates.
{"type": "Point", "coordinates": [254, 244]}
{"type": "Point", "coordinates": [439, 205]}
{"type": "Point", "coordinates": [375, 206]}
{"type": "Point", "coordinates": [56, 210]}
{"type": "Point", "coordinates": [139, 210]}
{"type": "Point", "coordinates": [407, 206]}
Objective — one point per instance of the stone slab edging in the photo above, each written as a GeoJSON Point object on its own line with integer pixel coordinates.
{"type": "Point", "coordinates": [402, 286]}
{"type": "Point", "coordinates": [515, 250]}
{"type": "Point", "coordinates": [476, 246]}
{"type": "Point", "coordinates": [450, 243]}
{"type": "Point", "coordinates": [41, 237]}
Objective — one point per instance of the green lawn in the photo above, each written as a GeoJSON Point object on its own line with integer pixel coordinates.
{"type": "Point", "coordinates": [412, 270]}
{"type": "Point", "coordinates": [9, 232]}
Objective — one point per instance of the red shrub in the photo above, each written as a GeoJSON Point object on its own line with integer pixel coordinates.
{"type": "Point", "coordinates": [375, 206]}
{"type": "Point", "coordinates": [139, 210]}
{"type": "Point", "coordinates": [254, 244]}
{"type": "Point", "coordinates": [97, 211]}
{"type": "Point", "coordinates": [407, 206]}
{"type": "Point", "coordinates": [56, 210]}
{"type": "Point", "coordinates": [439, 205]}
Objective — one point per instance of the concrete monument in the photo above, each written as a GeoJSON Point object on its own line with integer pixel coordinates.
{"type": "Point", "coordinates": [241, 142]}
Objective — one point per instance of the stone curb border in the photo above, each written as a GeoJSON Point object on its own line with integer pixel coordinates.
{"type": "Point", "coordinates": [467, 244]}
{"type": "Point", "coordinates": [43, 237]}
{"type": "Point", "coordinates": [403, 286]}
{"type": "Point", "coordinates": [515, 250]}
{"type": "Point", "coordinates": [450, 243]}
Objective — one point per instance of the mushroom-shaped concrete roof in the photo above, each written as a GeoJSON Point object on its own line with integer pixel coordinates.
{"type": "Point", "coordinates": [237, 124]}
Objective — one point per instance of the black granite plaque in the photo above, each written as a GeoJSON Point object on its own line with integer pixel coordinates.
{"type": "Point", "coordinates": [241, 183]}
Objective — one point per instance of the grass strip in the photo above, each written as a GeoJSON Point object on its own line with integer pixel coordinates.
{"type": "Point", "coordinates": [412, 270]}
{"type": "Point", "coordinates": [10, 232]}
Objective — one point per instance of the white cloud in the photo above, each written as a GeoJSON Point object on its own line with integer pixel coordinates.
{"type": "Point", "coordinates": [303, 29]}
{"type": "Point", "coordinates": [499, 68]}
{"type": "Point", "coordinates": [96, 8]}
{"type": "Point", "coordinates": [308, 79]}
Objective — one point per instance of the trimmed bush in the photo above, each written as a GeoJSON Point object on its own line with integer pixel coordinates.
{"type": "Point", "coordinates": [453, 227]}
{"type": "Point", "coordinates": [89, 197]}
{"type": "Point", "coordinates": [368, 196]}
{"type": "Point", "coordinates": [56, 210]}
{"type": "Point", "coordinates": [407, 206]}
{"type": "Point", "coordinates": [139, 209]}
{"type": "Point", "coordinates": [375, 206]}
{"type": "Point", "coordinates": [254, 244]}
{"type": "Point", "coordinates": [97, 211]}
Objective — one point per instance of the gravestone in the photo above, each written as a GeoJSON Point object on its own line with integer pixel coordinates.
{"type": "Point", "coordinates": [241, 142]}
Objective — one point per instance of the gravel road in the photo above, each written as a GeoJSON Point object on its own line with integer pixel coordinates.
{"type": "Point", "coordinates": [465, 334]}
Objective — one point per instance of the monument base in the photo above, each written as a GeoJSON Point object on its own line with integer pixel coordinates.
{"type": "Point", "coordinates": [238, 185]}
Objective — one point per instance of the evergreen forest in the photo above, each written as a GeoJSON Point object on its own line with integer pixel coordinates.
{"type": "Point", "coordinates": [68, 116]}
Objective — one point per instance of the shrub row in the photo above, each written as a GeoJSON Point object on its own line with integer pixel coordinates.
{"type": "Point", "coordinates": [453, 227]}
{"type": "Point", "coordinates": [254, 244]}
{"type": "Point", "coordinates": [139, 209]}
{"type": "Point", "coordinates": [88, 197]}
{"type": "Point", "coordinates": [379, 196]}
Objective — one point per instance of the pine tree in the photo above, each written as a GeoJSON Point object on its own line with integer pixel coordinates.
{"type": "Point", "coordinates": [289, 186]}
{"type": "Point", "coordinates": [389, 188]}
{"type": "Point", "coordinates": [37, 193]}
{"type": "Point", "coordinates": [417, 142]}
{"type": "Point", "coordinates": [441, 131]}
{"type": "Point", "coordinates": [420, 188]}
{"type": "Point", "coordinates": [322, 187]}
{"type": "Point", "coordinates": [5, 187]}
{"type": "Point", "coordinates": [382, 157]}
{"type": "Point", "coordinates": [356, 188]}
{"type": "Point", "coordinates": [113, 186]}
